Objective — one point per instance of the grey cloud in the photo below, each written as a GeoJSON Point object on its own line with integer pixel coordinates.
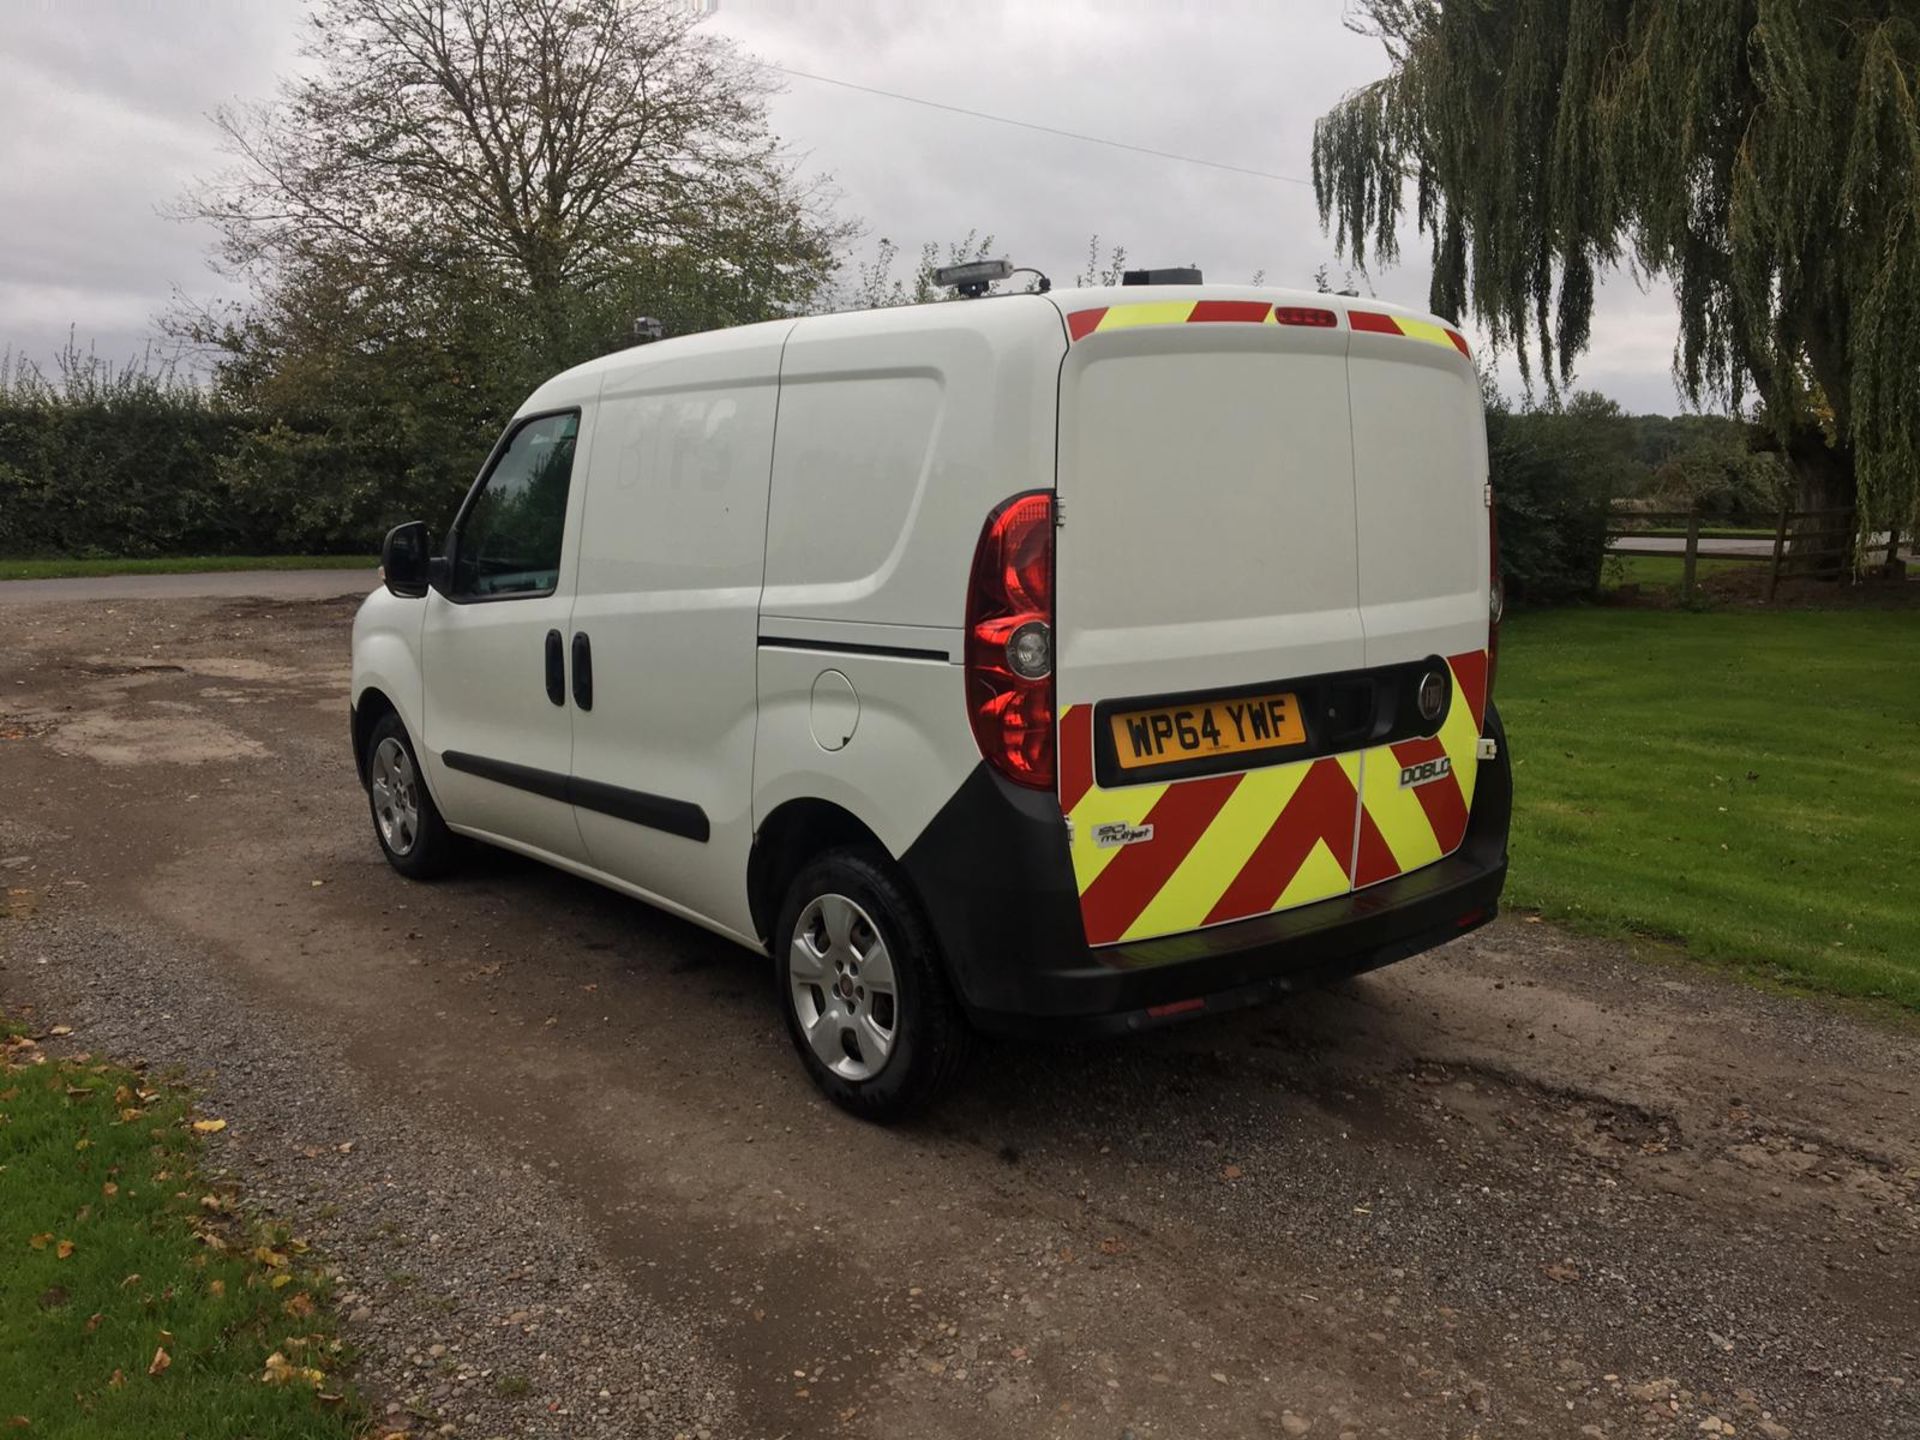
{"type": "Point", "coordinates": [103, 106]}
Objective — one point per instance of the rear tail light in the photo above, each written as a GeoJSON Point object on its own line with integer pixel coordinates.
{"type": "Point", "coordinates": [1010, 640]}
{"type": "Point", "coordinates": [1496, 593]}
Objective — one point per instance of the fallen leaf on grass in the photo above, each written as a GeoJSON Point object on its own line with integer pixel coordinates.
{"type": "Point", "coordinates": [93, 1322]}
{"type": "Point", "coordinates": [208, 1127]}
{"type": "Point", "coordinates": [63, 1249]}
{"type": "Point", "coordinates": [19, 1422]}
{"type": "Point", "coordinates": [42, 1240]}
{"type": "Point", "coordinates": [282, 1371]}
{"type": "Point", "coordinates": [298, 1306]}
{"type": "Point", "coordinates": [161, 1360]}
{"type": "Point", "coordinates": [119, 1379]}
{"type": "Point", "coordinates": [109, 1189]}
{"type": "Point", "coordinates": [216, 1288]}
{"type": "Point", "coordinates": [281, 1281]}
{"type": "Point", "coordinates": [131, 1281]}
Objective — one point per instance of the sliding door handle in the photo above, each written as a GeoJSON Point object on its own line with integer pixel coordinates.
{"type": "Point", "coordinates": [556, 668]}
{"type": "Point", "coordinates": [582, 670]}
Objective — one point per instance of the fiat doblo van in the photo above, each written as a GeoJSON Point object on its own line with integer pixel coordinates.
{"type": "Point", "coordinates": [1038, 663]}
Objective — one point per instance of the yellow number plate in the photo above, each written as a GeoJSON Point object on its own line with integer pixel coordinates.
{"type": "Point", "coordinates": [1212, 727]}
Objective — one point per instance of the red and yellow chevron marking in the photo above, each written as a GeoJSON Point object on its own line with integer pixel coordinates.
{"type": "Point", "coordinates": [1107, 318]}
{"type": "Point", "coordinates": [1378, 322]}
{"type": "Point", "coordinates": [1226, 847]}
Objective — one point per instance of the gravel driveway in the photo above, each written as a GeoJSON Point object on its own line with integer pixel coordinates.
{"type": "Point", "coordinates": [575, 1184]}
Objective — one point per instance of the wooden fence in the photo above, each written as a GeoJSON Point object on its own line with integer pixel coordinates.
{"type": "Point", "coordinates": [1803, 542]}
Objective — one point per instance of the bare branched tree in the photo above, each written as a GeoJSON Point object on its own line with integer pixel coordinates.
{"type": "Point", "coordinates": [552, 145]}
{"type": "Point", "coordinates": [457, 198]}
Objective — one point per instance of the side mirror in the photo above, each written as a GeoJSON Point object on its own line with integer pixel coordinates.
{"type": "Point", "coordinates": [406, 559]}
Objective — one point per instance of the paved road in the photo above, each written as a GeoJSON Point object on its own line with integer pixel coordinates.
{"type": "Point", "coordinates": [578, 1188]}
{"type": "Point", "coordinates": [1669, 545]}
{"type": "Point", "coordinates": [224, 584]}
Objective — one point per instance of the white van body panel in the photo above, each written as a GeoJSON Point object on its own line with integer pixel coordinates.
{"type": "Point", "coordinates": [1206, 475]}
{"type": "Point", "coordinates": [671, 554]}
{"type": "Point", "coordinates": [910, 748]}
{"type": "Point", "coordinates": [899, 431]}
{"type": "Point", "coordinates": [1420, 476]}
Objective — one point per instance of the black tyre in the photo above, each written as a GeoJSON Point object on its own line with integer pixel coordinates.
{"type": "Point", "coordinates": [865, 994]}
{"type": "Point", "coordinates": [406, 822]}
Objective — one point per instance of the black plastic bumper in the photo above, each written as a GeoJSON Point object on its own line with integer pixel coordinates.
{"type": "Point", "coordinates": [995, 875]}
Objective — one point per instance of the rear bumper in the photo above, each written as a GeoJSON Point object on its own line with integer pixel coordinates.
{"type": "Point", "coordinates": [994, 874]}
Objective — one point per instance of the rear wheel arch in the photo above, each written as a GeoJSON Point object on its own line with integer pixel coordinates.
{"type": "Point", "coordinates": [797, 832]}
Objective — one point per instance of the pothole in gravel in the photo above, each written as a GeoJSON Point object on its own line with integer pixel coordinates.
{"type": "Point", "coordinates": [176, 736]}
{"type": "Point", "coordinates": [1612, 1117]}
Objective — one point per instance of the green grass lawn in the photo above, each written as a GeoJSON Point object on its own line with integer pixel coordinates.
{"type": "Point", "coordinates": [1665, 570]}
{"type": "Point", "coordinates": [179, 565]}
{"type": "Point", "coordinates": [1744, 783]}
{"type": "Point", "coordinates": [134, 1301]}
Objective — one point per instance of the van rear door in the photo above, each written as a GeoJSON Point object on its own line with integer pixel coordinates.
{"type": "Point", "coordinates": [1421, 502]}
{"type": "Point", "coordinates": [1273, 534]}
{"type": "Point", "coordinates": [1206, 562]}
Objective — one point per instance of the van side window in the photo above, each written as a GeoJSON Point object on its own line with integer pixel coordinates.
{"type": "Point", "coordinates": [509, 541]}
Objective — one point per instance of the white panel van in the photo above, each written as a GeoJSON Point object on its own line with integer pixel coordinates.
{"type": "Point", "coordinates": [1057, 662]}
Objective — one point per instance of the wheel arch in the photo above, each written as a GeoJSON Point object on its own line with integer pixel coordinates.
{"type": "Point", "coordinates": [794, 833]}
{"type": "Point", "coordinates": [369, 709]}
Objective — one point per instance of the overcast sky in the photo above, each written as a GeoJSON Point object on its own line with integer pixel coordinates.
{"type": "Point", "coordinates": [103, 107]}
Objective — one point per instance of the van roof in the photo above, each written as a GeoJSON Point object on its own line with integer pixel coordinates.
{"type": "Point", "coordinates": [584, 380]}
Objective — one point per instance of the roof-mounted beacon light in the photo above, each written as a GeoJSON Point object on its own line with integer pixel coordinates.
{"type": "Point", "coordinates": [972, 278]}
{"type": "Point", "coordinates": [1179, 275]}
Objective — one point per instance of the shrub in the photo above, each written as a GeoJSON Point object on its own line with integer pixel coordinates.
{"type": "Point", "coordinates": [1555, 474]}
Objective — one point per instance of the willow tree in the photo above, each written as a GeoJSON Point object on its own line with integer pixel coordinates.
{"type": "Point", "coordinates": [1763, 155]}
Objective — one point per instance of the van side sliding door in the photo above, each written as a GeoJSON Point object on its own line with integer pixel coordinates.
{"type": "Point", "coordinates": [672, 553]}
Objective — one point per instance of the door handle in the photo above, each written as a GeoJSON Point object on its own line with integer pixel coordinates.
{"type": "Point", "coordinates": [582, 670]}
{"type": "Point", "coordinates": [556, 668]}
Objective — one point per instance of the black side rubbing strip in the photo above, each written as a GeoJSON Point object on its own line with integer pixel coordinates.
{"type": "Point", "coordinates": [842, 647]}
{"type": "Point", "coordinates": [504, 772]}
{"type": "Point", "coordinates": [656, 812]}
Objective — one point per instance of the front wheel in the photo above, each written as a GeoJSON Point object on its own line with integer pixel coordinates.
{"type": "Point", "coordinates": [407, 823]}
{"type": "Point", "coordinates": [866, 997]}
